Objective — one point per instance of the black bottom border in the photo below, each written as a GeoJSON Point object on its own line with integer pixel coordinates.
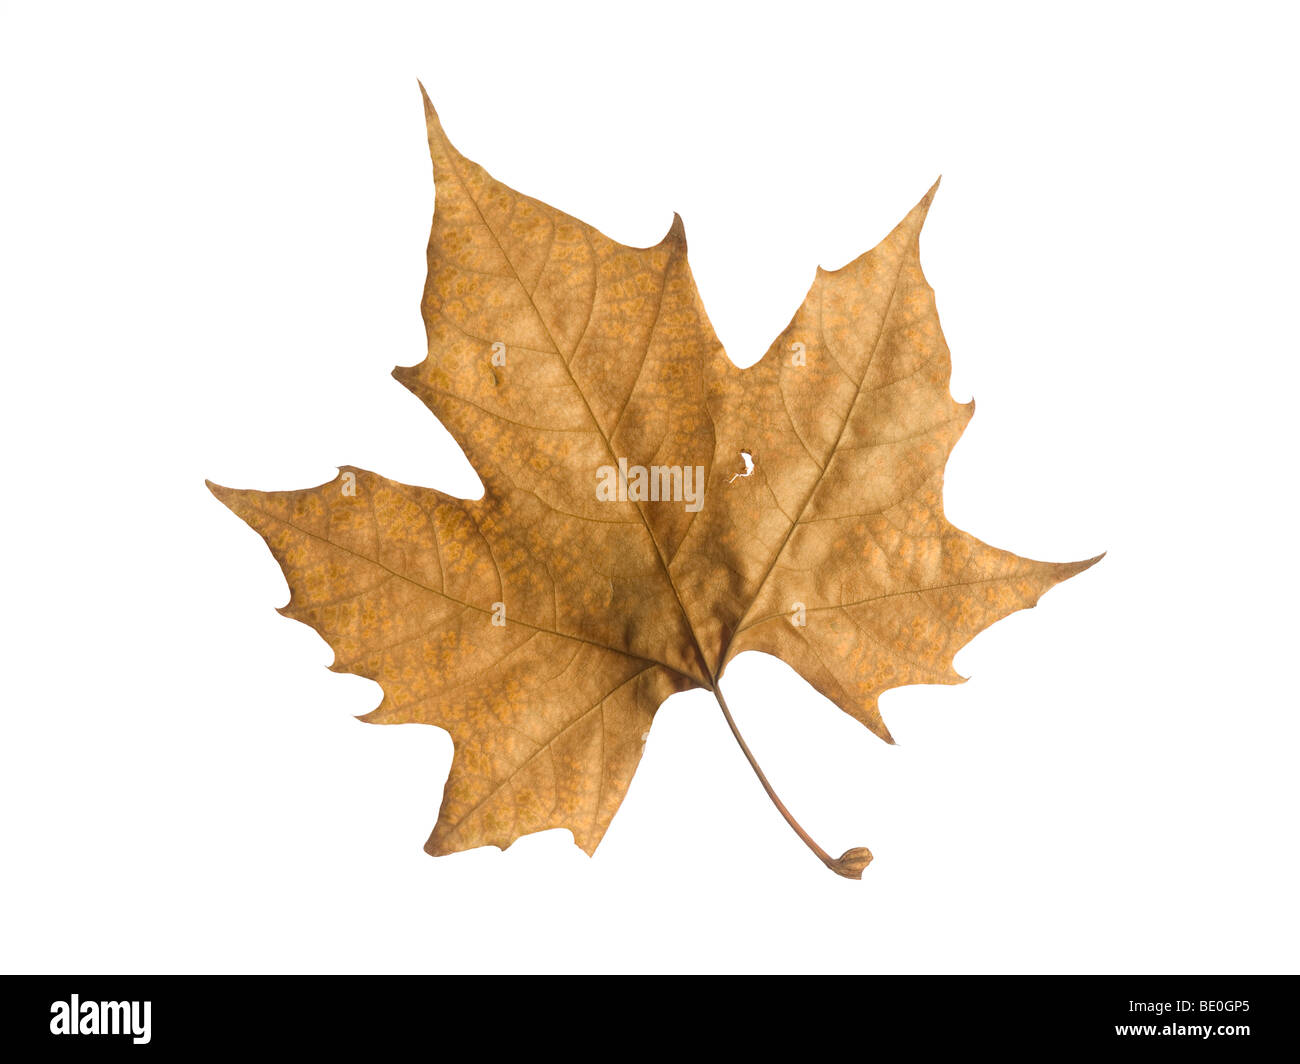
{"type": "Point", "coordinates": [612, 1014]}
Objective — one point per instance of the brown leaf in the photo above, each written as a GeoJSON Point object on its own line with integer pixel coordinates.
{"type": "Point", "coordinates": [544, 624]}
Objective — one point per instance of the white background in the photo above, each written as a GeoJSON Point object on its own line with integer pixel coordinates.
{"type": "Point", "coordinates": [213, 250]}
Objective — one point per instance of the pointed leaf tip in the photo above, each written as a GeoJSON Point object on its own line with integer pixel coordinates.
{"type": "Point", "coordinates": [922, 207]}
{"type": "Point", "coordinates": [1078, 567]}
{"type": "Point", "coordinates": [437, 136]}
{"type": "Point", "coordinates": [676, 232]}
{"type": "Point", "coordinates": [221, 493]}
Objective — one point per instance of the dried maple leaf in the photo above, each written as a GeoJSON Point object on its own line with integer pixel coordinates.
{"type": "Point", "coordinates": [544, 624]}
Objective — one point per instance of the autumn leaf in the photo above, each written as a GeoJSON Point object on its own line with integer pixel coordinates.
{"type": "Point", "coordinates": [649, 512]}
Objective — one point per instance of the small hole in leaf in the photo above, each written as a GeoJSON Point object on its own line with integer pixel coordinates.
{"type": "Point", "coordinates": [748, 458]}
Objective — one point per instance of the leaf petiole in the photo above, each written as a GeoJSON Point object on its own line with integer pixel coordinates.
{"type": "Point", "coordinates": [850, 863]}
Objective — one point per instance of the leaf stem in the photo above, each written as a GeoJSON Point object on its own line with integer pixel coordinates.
{"type": "Point", "coordinates": [851, 863]}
